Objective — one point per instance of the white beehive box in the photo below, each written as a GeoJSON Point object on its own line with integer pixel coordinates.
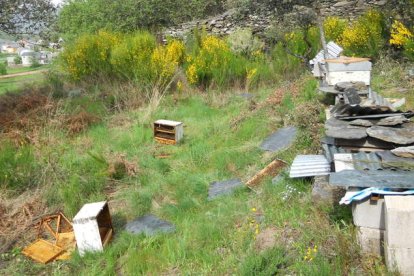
{"type": "Point", "coordinates": [93, 227]}
{"type": "Point", "coordinates": [347, 69]}
{"type": "Point", "coordinates": [168, 132]}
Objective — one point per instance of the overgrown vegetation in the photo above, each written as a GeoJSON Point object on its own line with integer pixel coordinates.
{"type": "Point", "coordinates": [86, 136]}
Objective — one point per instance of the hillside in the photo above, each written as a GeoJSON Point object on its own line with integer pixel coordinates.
{"type": "Point", "coordinates": [85, 134]}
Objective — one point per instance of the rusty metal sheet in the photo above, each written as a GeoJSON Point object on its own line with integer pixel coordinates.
{"type": "Point", "coordinates": [42, 251]}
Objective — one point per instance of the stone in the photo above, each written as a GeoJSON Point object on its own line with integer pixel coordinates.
{"type": "Point", "coordinates": [266, 239]}
{"type": "Point", "coordinates": [280, 140]}
{"type": "Point", "coordinates": [149, 225]}
{"type": "Point", "coordinates": [369, 213]}
{"type": "Point", "coordinates": [407, 152]}
{"type": "Point", "coordinates": [361, 122]}
{"type": "Point", "coordinates": [246, 95]}
{"type": "Point", "coordinates": [401, 136]}
{"type": "Point", "coordinates": [223, 188]}
{"type": "Point", "coordinates": [347, 132]}
{"type": "Point", "coordinates": [351, 96]}
{"type": "Point", "coordinates": [322, 192]}
{"type": "Point", "coordinates": [379, 179]}
{"type": "Point", "coordinates": [371, 241]}
{"type": "Point", "coordinates": [393, 121]}
{"type": "Point", "coordinates": [389, 160]}
{"type": "Point", "coordinates": [343, 86]}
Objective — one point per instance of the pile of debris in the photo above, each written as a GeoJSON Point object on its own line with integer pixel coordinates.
{"type": "Point", "coordinates": [369, 151]}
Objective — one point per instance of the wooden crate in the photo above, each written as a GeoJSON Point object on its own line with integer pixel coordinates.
{"type": "Point", "coordinates": [168, 132]}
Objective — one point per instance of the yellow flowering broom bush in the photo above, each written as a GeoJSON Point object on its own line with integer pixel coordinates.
{"type": "Point", "coordinates": [214, 63]}
{"type": "Point", "coordinates": [165, 60]}
{"type": "Point", "coordinates": [90, 55]}
{"type": "Point", "coordinates": [362, 37]}
{"type": "Point", "coordinates": [403, 38]}
{"type": "Point", "coordinates": [131, 59]}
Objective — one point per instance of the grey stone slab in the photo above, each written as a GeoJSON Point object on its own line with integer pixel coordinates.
{"type": "Point", "coordinates": [393, 121]}
{"type": "Point", "coordinates": [149, 225]}
{"type": "Point", "coordinates": [347, 132]}
{"type": "Point", "coordinates": [246, 95]}
{"type": "Point", "coordinates": [280, 140]}
{"type": "Point", "coordinates": [401, 136]}
{"type": "Point", "coordinates": [223, 188]}
{"type": "Point", "coordinates": [342, 86]}
{"type": "Point", "coordinates": [361, 122]}
{"type": "Point", "coordinates": [380, 179]}
{"type": "Point", "coordinates": [389, 160]}
{"type": "Point", "coordinates": [407, 152]}
{"type": "Point", "coordinates": [351, 96]}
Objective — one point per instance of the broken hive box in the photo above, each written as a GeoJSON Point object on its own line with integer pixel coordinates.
{"type": "Point", "coordinates": [93, 227]}
{"type": "Point", "coordinates": [168, 132]}
{"type": "Point", "coordinates": [55, 240]}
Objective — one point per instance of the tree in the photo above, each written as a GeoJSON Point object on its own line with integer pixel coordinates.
{"type": "Point", "coordinates": [26, 16]}
{"type": "Point", "coordinates": [89, 16]}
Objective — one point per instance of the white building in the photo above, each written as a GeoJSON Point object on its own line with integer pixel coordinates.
{"type": "Point", "coordinates": [28, 56]}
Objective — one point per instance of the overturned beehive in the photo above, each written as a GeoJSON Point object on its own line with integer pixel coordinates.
{"type": "Point", "coordinates": [93, 227]}
{"type": "Point", "coordinates": [168, 132]}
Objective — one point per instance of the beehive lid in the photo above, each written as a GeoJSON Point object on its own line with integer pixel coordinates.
{"type": "Point", "coordinates": [89, 212]}
{"type": "Point", "coordinates": [346, 60]}
{"type": "Point", "coordinates": [168, 123]}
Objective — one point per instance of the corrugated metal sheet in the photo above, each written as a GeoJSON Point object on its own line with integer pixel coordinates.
{"type": "Point", "coordinates": [309, 165]}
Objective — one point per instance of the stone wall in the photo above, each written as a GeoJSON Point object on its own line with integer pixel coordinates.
{"type": "Point", "coordinates": [261, 18]}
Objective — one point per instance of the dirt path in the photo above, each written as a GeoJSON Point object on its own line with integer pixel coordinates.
{"type": "Point", "coordinates": [23, 74]}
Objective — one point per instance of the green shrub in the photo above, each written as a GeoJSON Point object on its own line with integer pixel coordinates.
{"type": "Point", "coordinates": [215, 64]}
{"type": "Point", "coordinates": [132, 56]}
{"type": "Point", "coordinates": [3, 68]}
{"type": "Point", "coordinates": [34, 62]}
{"type": "Point", "coordinates": [17, 60]}
{"type": "Point", "coordinates": [18, 167]}
{"type": "Point", "coordinates": [243, 42]}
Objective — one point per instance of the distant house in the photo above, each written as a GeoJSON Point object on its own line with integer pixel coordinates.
{"type": "Point", "coordinates": [28, 56]}
{"type": "Point", "coordinates": [10, 48]}
{"type": "Point", "coordinates": [11, 61]}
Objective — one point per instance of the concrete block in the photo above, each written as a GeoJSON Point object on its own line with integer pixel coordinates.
{"type": "Point", "coordinates": [369, 213]}
{"type": "Point", "coordinates": [371, 241]}
{"type": "Point", "coordinates": [400, 260]}
{"type": "Point", "coordinates": [399, 221]}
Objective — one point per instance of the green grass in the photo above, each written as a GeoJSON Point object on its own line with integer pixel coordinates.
{"type": "Point", "coordinates": [16, 83]}
{"type": "Point", "coordinates": [218, 237]}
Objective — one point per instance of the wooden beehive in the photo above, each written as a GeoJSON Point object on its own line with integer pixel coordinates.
{"type": "Point", "coordinates": [168, 132]}
{"type": "Point", "coordinates": [93, 227]}
{"type": "Point", "coordinates": [346, 69]}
